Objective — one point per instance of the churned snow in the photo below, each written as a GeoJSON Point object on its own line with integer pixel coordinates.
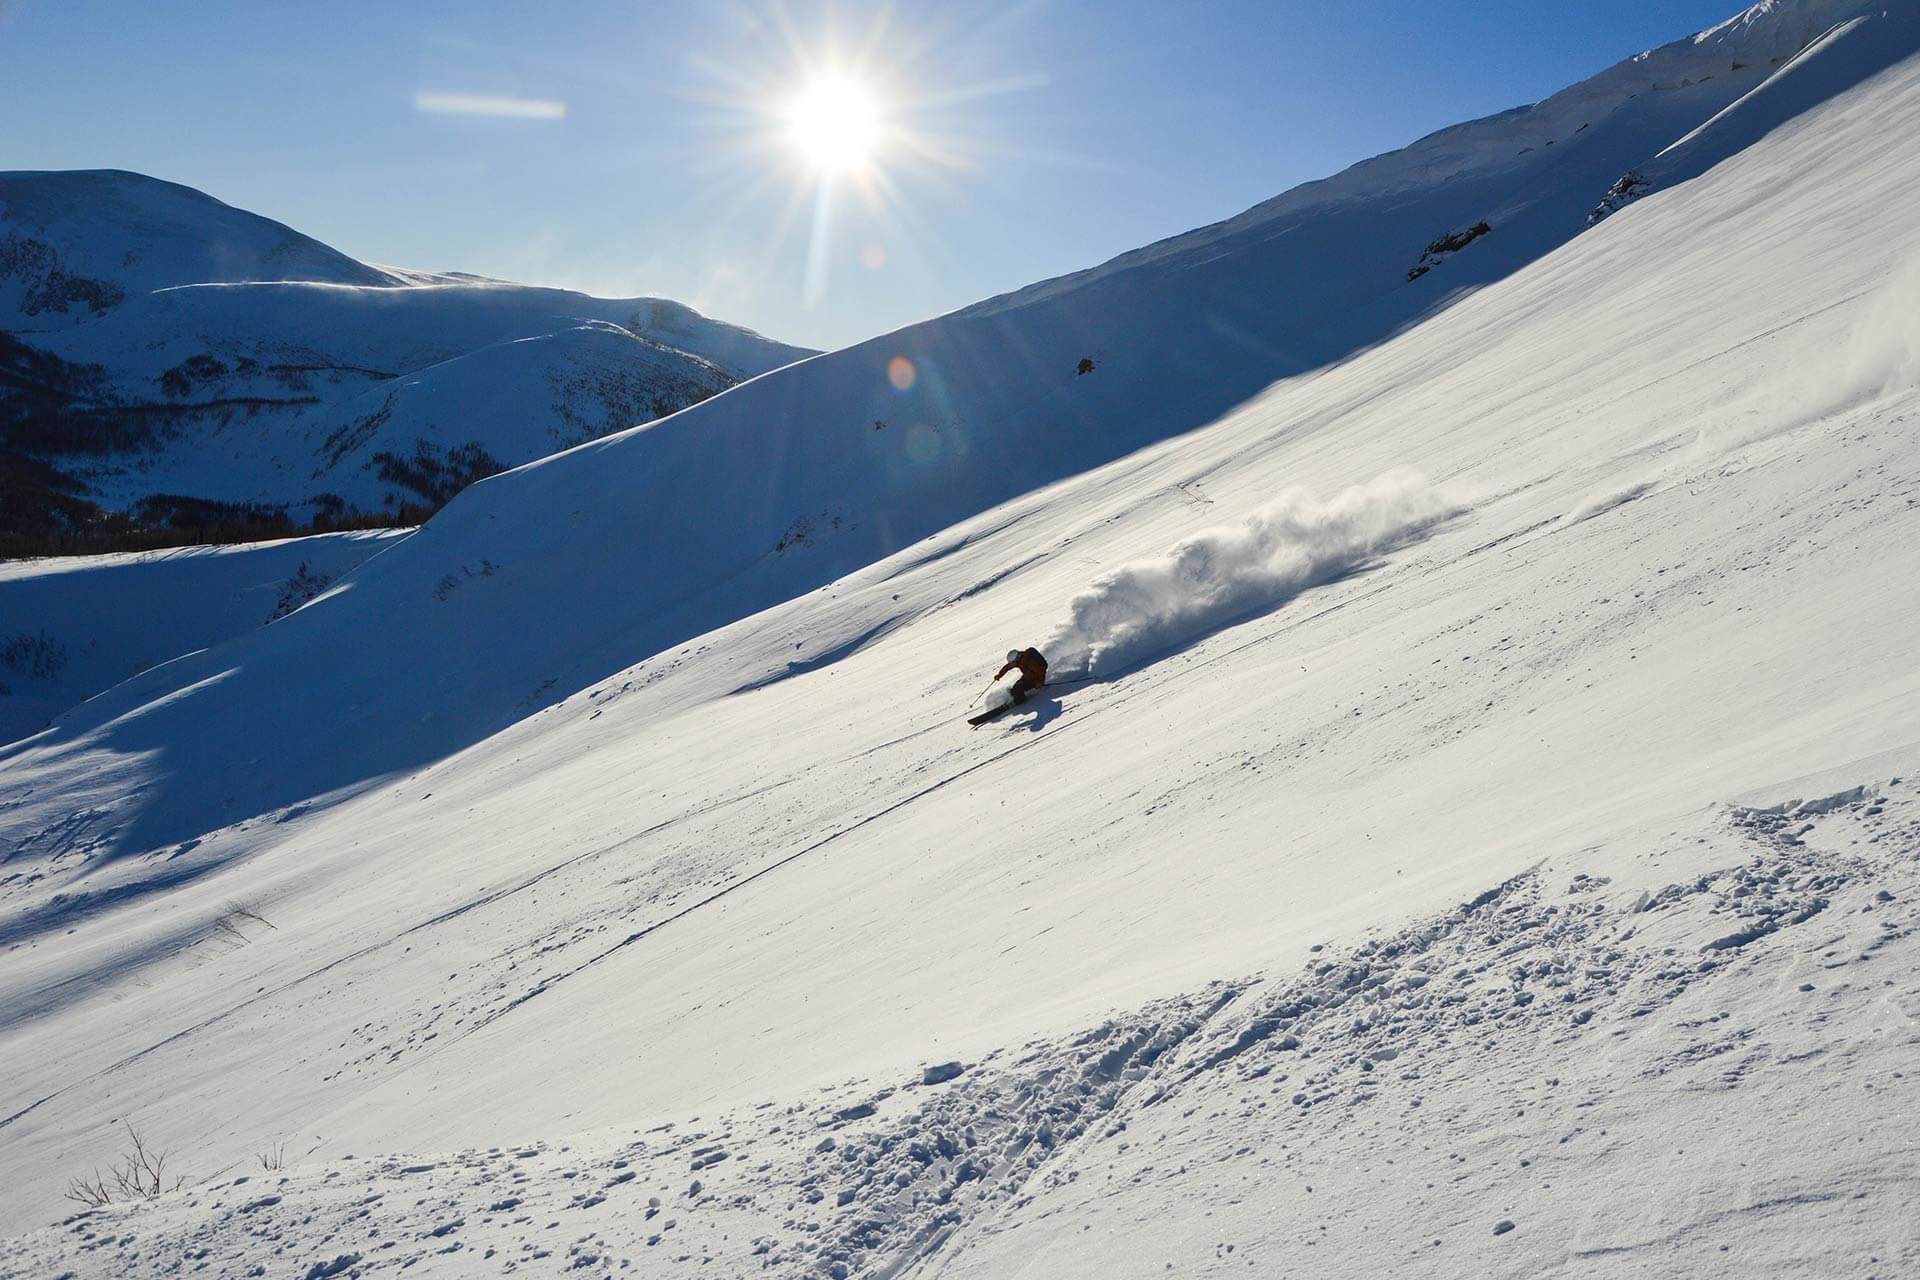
{"type": "Point", "coordinates": [1507, 872]}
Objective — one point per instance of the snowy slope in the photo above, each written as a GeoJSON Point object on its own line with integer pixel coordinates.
{"type": "Point", "coordinates": [653, 862]}
{"type": "Point", "coordinates": [78, 625]}
{"type": "Point", "coordinates": [1722, 64]}
{"type": "Point", "coordinates": [1525, 1084]}
{"type": "Point", "coordinates": [172, 344]}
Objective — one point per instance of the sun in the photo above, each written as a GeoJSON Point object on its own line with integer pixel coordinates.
{"type": "Point", "coordinates": [835, 124]}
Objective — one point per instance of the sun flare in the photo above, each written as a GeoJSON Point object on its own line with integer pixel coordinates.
{"type": "Point", "coordinates": [835, 124]}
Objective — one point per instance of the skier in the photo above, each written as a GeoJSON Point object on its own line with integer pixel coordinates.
{"type": "Point", "coordinates": [1033, 672]}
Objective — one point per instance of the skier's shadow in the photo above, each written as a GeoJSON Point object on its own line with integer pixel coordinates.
{"type": "Point", "coordinates": [1034, 714]}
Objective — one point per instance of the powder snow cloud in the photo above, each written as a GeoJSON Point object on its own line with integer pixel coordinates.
{"type": "Point", "coordinates": [1225, 573]}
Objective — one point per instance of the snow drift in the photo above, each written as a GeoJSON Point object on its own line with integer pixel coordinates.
{"type": "Point", "coordinates": [1223, 574]}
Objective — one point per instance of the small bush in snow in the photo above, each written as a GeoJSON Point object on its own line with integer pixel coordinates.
{"type": "Point", "coordinates": [141, 1174]}
{"type": "Point", "coordinates": [34, 654]}
{"type": "Point", "coordinates": [236, 917]}
{"type": "Point", "coordinates": [303, 586]}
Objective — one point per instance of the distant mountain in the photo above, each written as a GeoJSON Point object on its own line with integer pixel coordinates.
{"type": "Point", "coordinates": [166, 358]}
{"type": "Point", "coordinates": [75, 244]}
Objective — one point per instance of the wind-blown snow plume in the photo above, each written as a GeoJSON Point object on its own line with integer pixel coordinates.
{"type": "Point", "coordinates": [1879, 355]}
{"type": "Point", "coordinates": [1225, 573]}
{"type": "Point", "coordinates": [1884, 354]}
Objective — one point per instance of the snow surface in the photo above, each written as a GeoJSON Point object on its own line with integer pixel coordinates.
{"type": "Point", "coordinates": [1517, 879]}
{"type": "Point", "coordinates": [75, 625]}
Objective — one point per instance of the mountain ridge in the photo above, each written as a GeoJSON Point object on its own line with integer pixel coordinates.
{"type": "Point", "coordinates": [169, 345]}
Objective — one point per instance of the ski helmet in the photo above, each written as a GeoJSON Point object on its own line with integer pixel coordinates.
{"type": "Point", "coordinates": [1013, 655]}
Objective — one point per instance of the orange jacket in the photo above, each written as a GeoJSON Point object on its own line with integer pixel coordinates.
{"type": "Point", "coordinates": [1031, 664]}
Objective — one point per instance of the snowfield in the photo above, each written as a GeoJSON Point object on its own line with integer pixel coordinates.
{"type": "Point", "coordinates": [88, 622]}
{"type": "Point", "coordinates": [1486, 840]}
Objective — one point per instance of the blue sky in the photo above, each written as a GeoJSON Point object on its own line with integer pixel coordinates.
{"type": "Point", "coordinates": [1031, 138]}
